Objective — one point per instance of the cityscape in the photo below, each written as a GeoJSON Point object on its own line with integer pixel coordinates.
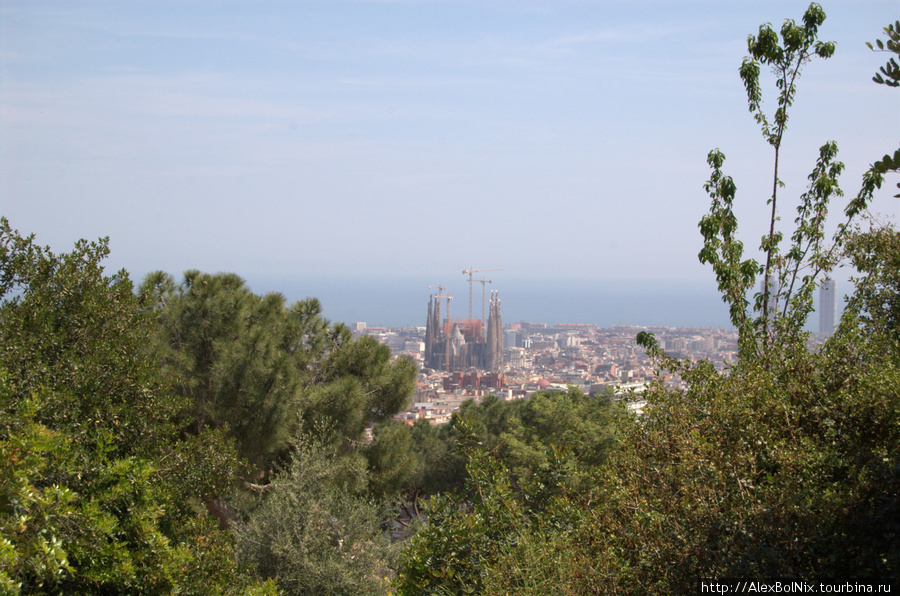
{"type": "Point", "coordinates": [238, 357]}
{"type": "Point", "coordinates": [469, 358]}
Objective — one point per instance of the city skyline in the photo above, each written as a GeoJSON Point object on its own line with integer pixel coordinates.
{"type": "Point", "coordinates": [604, 302]}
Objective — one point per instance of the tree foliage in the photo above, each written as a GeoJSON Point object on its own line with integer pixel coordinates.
{"type": "Point", "coordinates": [525, 462]}
{"type": "Point", "coordinates": [464, 536]}
{"type": "Point", "coordinates": [875, 253]}
{"type": "Point", "coordinates": [526, 435]}
{"type": "Point", "coordinates": [441, 462]}
{"type": "Point", "coordinates": [550, 426]}
{"type": "Point", "coordinates": [784, 473]}
{"type": "Point", "coordinates": [94, 496]}
{"type": "Point", "coordinates": [262, 371]}
{"type": "Point", "coordinates": [314, 535]}
{"type": "Point", "coordinates": [296, 395]}
{"type": "Point", "coordinates": [764, 470]}
{"type": "Point", "coordinates": [788, 277]}
{"type": "Point", "coordinates": [888, 75]}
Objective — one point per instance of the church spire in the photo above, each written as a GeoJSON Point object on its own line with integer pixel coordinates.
{"type": "Point", "coordinates": [429, 334]}
{"type": "Point", "coordinates": [497, 348]}
{"type": "Point", "coordinates": [494, 341]}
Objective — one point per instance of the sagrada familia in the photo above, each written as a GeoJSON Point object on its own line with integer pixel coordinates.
{"type": "Point", "coordinates": [457, 345]}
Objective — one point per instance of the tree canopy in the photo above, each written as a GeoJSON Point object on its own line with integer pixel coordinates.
{"type": "Point", "coordinates": [264, 372]}
{"type": "Point", "coordinates": [96, 486]}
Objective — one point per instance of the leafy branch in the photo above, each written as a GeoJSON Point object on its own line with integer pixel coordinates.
{"type": "Point", "coordinates": [889, 76]}
{"type": "Point", "coordinates": [798, 45]}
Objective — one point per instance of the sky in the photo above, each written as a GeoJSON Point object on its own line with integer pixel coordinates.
{"type": "Point", "coordinates": [399, 142]}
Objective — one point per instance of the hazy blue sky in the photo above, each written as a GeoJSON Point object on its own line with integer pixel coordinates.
{"type": "Point", "coordinates": [553, 139]}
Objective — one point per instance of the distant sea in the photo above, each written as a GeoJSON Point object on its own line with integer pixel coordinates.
{"type": "Point", "coordinates": [399, 302]}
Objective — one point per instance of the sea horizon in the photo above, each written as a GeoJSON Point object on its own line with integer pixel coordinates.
{"type": "Point", "coordinates": [403, 302]}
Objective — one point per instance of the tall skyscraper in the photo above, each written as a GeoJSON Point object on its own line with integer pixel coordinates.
{"type": "Point", "coordinates": [827, 307]}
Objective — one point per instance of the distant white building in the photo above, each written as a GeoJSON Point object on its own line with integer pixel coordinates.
{"type": "Point", "coordinates": [827, 307]}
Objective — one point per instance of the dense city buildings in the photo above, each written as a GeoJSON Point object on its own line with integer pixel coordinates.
{"type": "Point", "coordinates": [467, 359]}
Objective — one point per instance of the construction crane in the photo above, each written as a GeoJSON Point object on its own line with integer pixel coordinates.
{"type": "Point", "coordinates": [469, 272]}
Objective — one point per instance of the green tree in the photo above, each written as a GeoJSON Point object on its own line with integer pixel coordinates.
{"type": "Point", "coordinates": [355, 386]}
{"type": "Point", "coordinates": [442, 464]}
{"type": "Point", "coordinates": [875, 304]}
{"type": "Point", "coordinates": [786, 58]}
{"type": "Point", "coordinates": [409, 463]}
{"type": "Point", "coordinates": [548, 426]}
{"type": "Point", "coordinates": [262, 372]}
{"type": "Point", "coordinates": [464, 534]}
{"type": "Point", "coordinates": [527, 462]}
{"type": "Point", "coordinates": [553, 426]}
{"type": "Point", "coordinates": [889, 73]}
{"type": "Point", "coordinates": [241, 359]}
{"type": "Point", "coordinates": [788, 278]}
{"type": "Point", "coordinates": [392, 459]}
{"type": "Point", "coordinates": [271, 377]}
{"type": "Point", "coordinates": [94, 496]}
{"type": "Point", "coordinates": [764, 470]}
{"type": "Point", "coordinates": [314, 536]}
